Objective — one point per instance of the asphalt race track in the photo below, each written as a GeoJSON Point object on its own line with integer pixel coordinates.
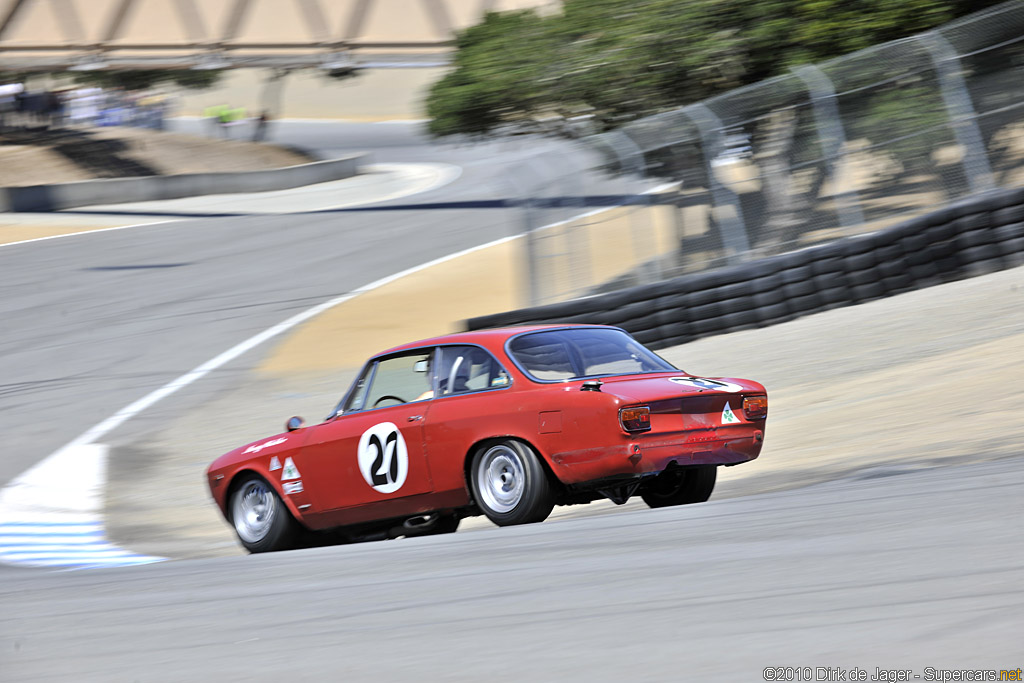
{"type": "Point", "coordinates": [93, 322]}
{"type": "Point", "coordinates": [899, 572]}
{"type": "Point", "coordinates": [900, 569]}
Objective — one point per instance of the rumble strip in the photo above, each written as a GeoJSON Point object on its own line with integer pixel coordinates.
{"type": "Point", "coordinates": [52, 514]}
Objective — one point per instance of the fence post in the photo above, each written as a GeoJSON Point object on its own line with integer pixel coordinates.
{"type": "Point", "coordinates": [960, 109]}
{"type": "Point", "coordinates": [524, 201]}
{"type": "Point", "coordinates": [631, 157]}
{"type": "Point", "coordinates": [532, 257]}
{"type": "Point", "coordinates": [728, 214]}
{"type": "Point", "coordinates": [578, 241]}
{"type": "Point", "coordinates": [833, 141]}
{"type": "Point", "coordinates": [637, 208]}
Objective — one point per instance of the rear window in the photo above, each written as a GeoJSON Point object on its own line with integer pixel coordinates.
{"type": "Point", "coordinates": [554, 355]}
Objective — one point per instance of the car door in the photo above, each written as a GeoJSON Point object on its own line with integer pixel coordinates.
{"type": "Point", "coordinates": [373, 451]}
{"type": "Point", "coordinates": [472, 403]}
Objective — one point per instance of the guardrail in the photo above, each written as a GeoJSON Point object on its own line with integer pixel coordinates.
{"type": "Point", "coordinates": [150, 188]}
{"type": "Point", "coordinates": [974, 236]}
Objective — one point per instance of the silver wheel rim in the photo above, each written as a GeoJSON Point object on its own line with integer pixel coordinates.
{"type": "Point", "coordinates": [501, 479]}
{"type": "Point", "coordinates": [253, 511]}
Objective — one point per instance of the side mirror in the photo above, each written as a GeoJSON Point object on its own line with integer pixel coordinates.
{"type": "Point", "coordinates": [421, 366]}
{"type": "Point", "coordinates": [294, 423]}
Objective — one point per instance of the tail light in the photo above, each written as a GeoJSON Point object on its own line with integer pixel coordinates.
{"type": "Point", "coordinates": [636, 419]}
{"type": "Point", "coordinates": [755, 407]}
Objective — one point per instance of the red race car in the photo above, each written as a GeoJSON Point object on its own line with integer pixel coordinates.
{"type": "Point", "coordinates": [507, 423]}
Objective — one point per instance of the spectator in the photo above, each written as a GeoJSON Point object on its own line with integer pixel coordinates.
{"type": "Point", "coordinates": [260, 131]}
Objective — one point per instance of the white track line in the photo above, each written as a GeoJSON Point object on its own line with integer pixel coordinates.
{"type": "Point", "coordinates": [85, 231]}
{"type": "Point", "coordinates": [67, 487]}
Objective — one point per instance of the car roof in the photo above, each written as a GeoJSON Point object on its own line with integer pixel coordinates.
{"type": "Point", "coordinates": [493, 338]}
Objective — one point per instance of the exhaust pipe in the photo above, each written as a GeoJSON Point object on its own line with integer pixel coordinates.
{"type": "Point", "coordinates": [420, 523]}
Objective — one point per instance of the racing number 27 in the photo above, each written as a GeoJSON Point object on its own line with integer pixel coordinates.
{"type": "Point", "coordinates": [384, 469]}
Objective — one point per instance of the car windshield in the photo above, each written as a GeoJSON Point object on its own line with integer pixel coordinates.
{"type": "Point", "coordinates": [554, 355]}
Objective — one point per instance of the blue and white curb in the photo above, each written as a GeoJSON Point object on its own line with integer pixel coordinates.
{"type": "Point", "coordinates": [51, 516]}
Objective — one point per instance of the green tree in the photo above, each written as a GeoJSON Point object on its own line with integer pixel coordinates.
{"type": "Point", "coordinates": [502, 75]}
{"type": "Point", "coordinates": [618, 60]}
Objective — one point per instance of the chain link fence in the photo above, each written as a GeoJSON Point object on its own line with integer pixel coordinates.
{"type": "Point", "coordinates": [586, 224]}
{"type": "Point", "coordinates": [839, 148]}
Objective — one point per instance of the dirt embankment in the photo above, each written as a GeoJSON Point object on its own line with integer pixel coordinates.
{"type": "Point", "coordinates": [38, 157]}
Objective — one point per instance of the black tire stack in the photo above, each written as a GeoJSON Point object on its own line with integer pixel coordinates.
{"type": "Point", "coordinates": [978, 235]}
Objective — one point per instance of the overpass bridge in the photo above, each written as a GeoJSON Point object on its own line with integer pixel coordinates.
{"type": "Point", "coordinates": [57, 35]}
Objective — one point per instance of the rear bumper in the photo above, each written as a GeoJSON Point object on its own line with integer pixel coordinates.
{"type": "Point", "coordinates": [652, 453]}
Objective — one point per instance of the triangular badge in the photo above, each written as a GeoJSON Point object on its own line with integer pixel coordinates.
{"type": "Point", "coordinates": [275, 464]}
{"type": "Point", "coordinates": [292, 472]}
{"type": "Point", "coordinates": [729, 417]}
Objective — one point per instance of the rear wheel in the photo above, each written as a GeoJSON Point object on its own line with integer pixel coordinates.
{"type": "Point", "coordinates": [510, 485]}
{"type": "Point", "coordinates": [261, 520]}
{"type": "Point", "coordinates": [681, 487]}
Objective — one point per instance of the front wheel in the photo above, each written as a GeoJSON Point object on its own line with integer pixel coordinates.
{"type": "Point", "coordinates": [510, 485]}
{"type": "Point", "coordinates": [261, 520]}
{"type": "Point", "coordinates": [681, 487]}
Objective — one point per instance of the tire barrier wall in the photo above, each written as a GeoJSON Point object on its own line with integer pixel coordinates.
{"type": "Point", "coordinates": [978, 235]}
{"type": "Point", "coordinates": [151, 188]}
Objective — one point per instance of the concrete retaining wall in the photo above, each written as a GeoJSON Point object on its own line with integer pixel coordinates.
{"type": "Point", "coordinates": [150, 188]}
{"type": "Point", "coordinates": [978, 235]}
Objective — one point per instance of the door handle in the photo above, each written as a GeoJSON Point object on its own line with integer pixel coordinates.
{"type": "Point", "coordinates": [415, 418]}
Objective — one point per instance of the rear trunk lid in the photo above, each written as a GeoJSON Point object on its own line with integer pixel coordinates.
{"type": "Point", "coordinates": [684, 402]}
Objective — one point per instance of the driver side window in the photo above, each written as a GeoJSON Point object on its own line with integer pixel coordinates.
{"type": "Point", "coordinates": [396, 380]}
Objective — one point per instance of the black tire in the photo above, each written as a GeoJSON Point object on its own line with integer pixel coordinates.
{"type": "Point", "coordinates": [798, 274]}
{"type": "Point", "coordinates": [736, 305]}
{"type": "Point", "coordinates": [925, 274]}
{"type": "Point", "coordinates": [1010, 214]}
{"type": "Point", "coordinates": [862, 277]}
{"type": "Point", "coordinates": [827, 266]}
{"type": "Point", "coordinates": [510, 485]}
{"type": "Point", "coordinates": [893, 268]}
{"type": "Point", "coordinates": [985, 252]}
{"type": "Point", "coordinates": [261, 520]}
{"type": "Point", "coordinates": [768, 298]}
{"type": "Point", "coordinates": [860, 262]}
{"type": "Point", "coordinates": [702, 297]}
{"type": "Point", "coordinates": [977, 238]}
{"type": "Point", "coordinates": [681, 487]}
{"type": "Point", "coordinates": [708, 326]}
{"type": "Point", "coordinates": [646, 337]}
{"type": "Point", "coordinates": [804, 305]}
{"type": "Point", "coordinates": [868, 292]}
{"type": "Point", "coordinates": [985, 267]}
{"type": "Point", "coordinates": [769, 315]}
{"type": "Point", "coordinates": [744, 320]}
{"type": "Point", "coordinates": [1012, 231]}
{"type": "Point", "coordinates": [898, 284]}
{"type": "Point", "coordinates": [795, 289]}
{"type": "Point", "coordinates": [834, 295]}
{"type": "Point", "coordinates": [1012, 248]}
{"type": "Point", "coordinates": [973, 222]}
{"type": "Point", "coordinates": [830, 280]}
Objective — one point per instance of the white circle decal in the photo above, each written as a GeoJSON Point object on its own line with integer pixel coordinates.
{"type": "Point", "coordinates": [383, 457]}
{"type": "Point", "coordinates": [705, 384]}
